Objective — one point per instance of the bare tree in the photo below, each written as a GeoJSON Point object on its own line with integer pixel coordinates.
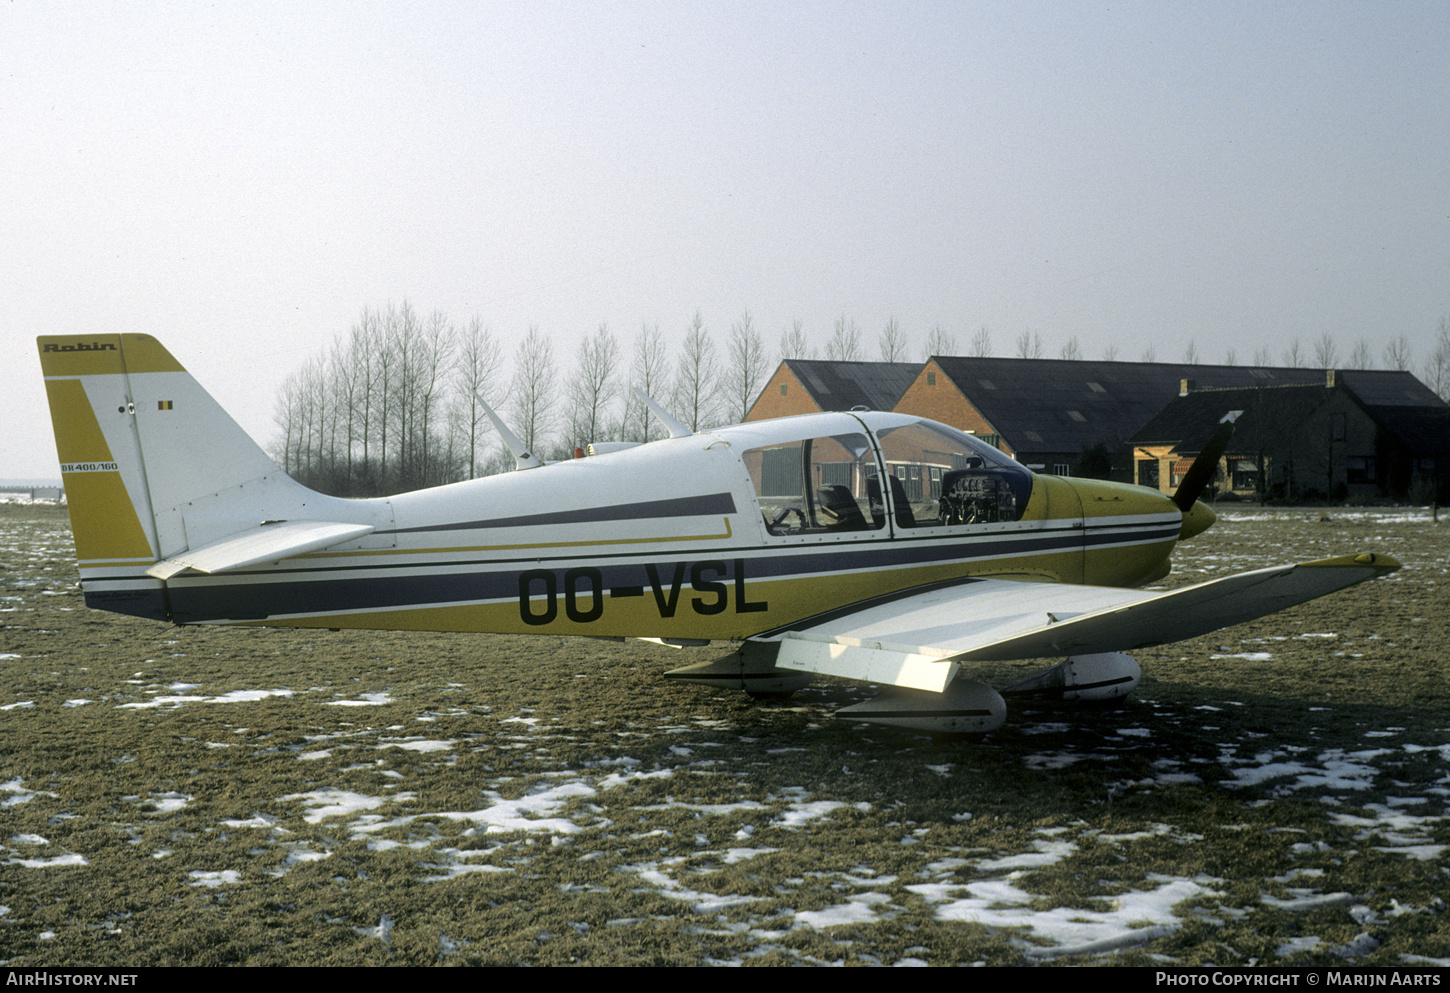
{"type": "Point", "coordinates": [366, 334]}
{"type": "Point", "coordinates": [1398, 353]}
{"type": "Point", "coordinates": [1294, 355]}
{"type": "Point", "coordinates": [892, 342]}
{"type": "Point", "coordinates": [1326, 351]}
{"type": "Point", "coordinates": [845, 343]}
{"type": "Point", "coordinates": [1362, 357]}
{"type": "Point", "coordinates": [405, 332]}
{"type": "Point", "coordinates": [746, 371]}
{"type": "Point", "coordinates": [793, 343]}
{"type": "Point", "coordinates": [939, 341]}
{"type": "Point", "coordinates": [533, 389]}
{"type": "Point", "coordinates": [594, 387]}
{"type": "Point", "coordinates": [1437, 372]}
{"type": "Point", "coordinates": [1029, 345]}
{"type": "Point", "coordinates": [696, 379]}
{"type": "Point", "coordinates": [346, 376]}
{"type": "Point", "coordinates": [297, 412]}
{"type": "Point", "coordinates": [1110, 353]}
{"type": "Point", "coordinates": [648, 372]}
{"type": "Point", "coordinates": [475, 373]}
{"type": "Point", "coordinates": [438, 339]}
{"type": "Point", "coordinates": [1190, 353]}
{"type": "Point", "coordinates": [1262, 356]}
{"type": "Point", "coordinates": [1072, 351]}
{"type": "Point", "coordinates": [982, 343]}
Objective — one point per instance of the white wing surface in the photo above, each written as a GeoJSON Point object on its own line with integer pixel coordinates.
{"type": "Point", "coordinates": [918, 640]}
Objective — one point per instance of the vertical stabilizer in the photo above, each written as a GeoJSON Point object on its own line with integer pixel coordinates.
{"type": "Point", "coordinates": [151, 464]}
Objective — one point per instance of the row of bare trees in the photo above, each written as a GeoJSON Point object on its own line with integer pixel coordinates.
{"type": "Point", "coordinates": [391, 406]}
{"type": "Point", "coordinates": [377, 413]}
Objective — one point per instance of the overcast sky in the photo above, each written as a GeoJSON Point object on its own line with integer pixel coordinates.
{"type": "Point", "coordinates": [242, 179]}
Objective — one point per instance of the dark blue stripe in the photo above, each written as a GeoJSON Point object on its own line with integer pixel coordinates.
{"type": "Point", "coordinates": [198, 598]}
{"type": "Point", "coordinates": [697, 506]}
{"type": "Point", "coordinates": [314, 591]}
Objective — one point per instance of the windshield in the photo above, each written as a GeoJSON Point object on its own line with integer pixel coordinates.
{"type": "Point", "coordinates": [941, 476]}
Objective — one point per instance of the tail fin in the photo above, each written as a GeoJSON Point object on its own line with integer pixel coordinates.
{"type": "Point", "coordinates": [151, 463]}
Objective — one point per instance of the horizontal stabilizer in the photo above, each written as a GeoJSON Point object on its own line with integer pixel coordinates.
{"type": "Point", "coordinates": [912, 640]}
{"type": "Point", "coordinates": [263, 543]}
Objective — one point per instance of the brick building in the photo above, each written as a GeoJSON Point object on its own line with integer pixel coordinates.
{"type": "Point", "coordinates": [812, 386]}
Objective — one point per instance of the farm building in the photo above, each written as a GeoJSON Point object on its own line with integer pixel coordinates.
{"type": "Point", "coordinates": [1357, 434]}
{"type": "Point", "coordinates": [1059, 415]}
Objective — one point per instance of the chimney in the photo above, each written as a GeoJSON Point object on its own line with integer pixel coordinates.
{"type": "Point", "coordinates": [1185, 387]}
{"type": "Point", "coordinates": [1330, 376]}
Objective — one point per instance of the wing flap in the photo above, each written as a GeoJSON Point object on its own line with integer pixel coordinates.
{"type": "Point", "coordinates": [873, 663]}
{"type": "Point", "coordinates": [263, 543]}
{"type": "Point", "coordinates": [917, 640]}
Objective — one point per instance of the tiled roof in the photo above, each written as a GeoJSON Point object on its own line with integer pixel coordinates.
{"type": "Point", "coordinates": [1059, 405]}
{"type": "Point", "coordinates": [844, 385]}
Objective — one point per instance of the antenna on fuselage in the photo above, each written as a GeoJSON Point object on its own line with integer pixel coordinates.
{"type": "Point", "coordinates": [674, 427]}
{"type": "Point", "coordinates": [523, 459]}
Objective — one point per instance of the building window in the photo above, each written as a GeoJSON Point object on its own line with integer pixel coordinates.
{"type": "Point", "coordinates": [1061, 469]}
{"type": "Point", "coordinates": [1359, 469]}
{"type": "Point", "coordinates": [930, 378]}
{"type": "Point", "coordinates": [1245, 475]}
{"type": "Point", "coordinates": [782, 389]}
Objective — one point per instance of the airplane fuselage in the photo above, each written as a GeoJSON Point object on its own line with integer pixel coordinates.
{"type": "Point", "coordinates": [672, 539]}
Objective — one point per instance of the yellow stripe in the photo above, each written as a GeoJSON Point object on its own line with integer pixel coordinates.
{"type": "Point", "coordinates": [78, 436]}
{"type": "Point", "coordinates": [103, 518]}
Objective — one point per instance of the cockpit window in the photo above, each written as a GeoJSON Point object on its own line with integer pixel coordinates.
{"type": "Point", "coordinates": [940, 476]}
{"type": "Point", "coordinates": [816, 486]}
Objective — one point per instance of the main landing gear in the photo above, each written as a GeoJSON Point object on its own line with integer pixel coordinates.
{"type": "Point", "coordinates": [965, 707]}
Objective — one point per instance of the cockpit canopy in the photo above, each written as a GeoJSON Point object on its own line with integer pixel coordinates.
{"type": "Point", "coordinates": [828, 476]}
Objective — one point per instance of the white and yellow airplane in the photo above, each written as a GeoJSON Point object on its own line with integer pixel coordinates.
{"type": "Point", "coordinates": [779, 533]}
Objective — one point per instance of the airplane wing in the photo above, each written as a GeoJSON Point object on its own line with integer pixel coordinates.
{"type": "Point", "coordinates": [919, 639]}
{"type": "Point", "coordinates": [263, 543]}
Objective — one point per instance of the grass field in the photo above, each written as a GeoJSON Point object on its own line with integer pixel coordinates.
{"type": "Point", "coordinates": [1275, 793]}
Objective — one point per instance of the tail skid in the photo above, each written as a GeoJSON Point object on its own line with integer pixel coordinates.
{"type": "Point", "coordinates": [154, 469]}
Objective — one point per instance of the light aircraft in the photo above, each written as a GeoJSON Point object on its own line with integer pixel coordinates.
{"type": "Point", "coordinates": [875, 546]}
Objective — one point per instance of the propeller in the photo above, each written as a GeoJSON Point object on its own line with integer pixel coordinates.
{"type": "Point", "coordinates": [1200, 474]}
